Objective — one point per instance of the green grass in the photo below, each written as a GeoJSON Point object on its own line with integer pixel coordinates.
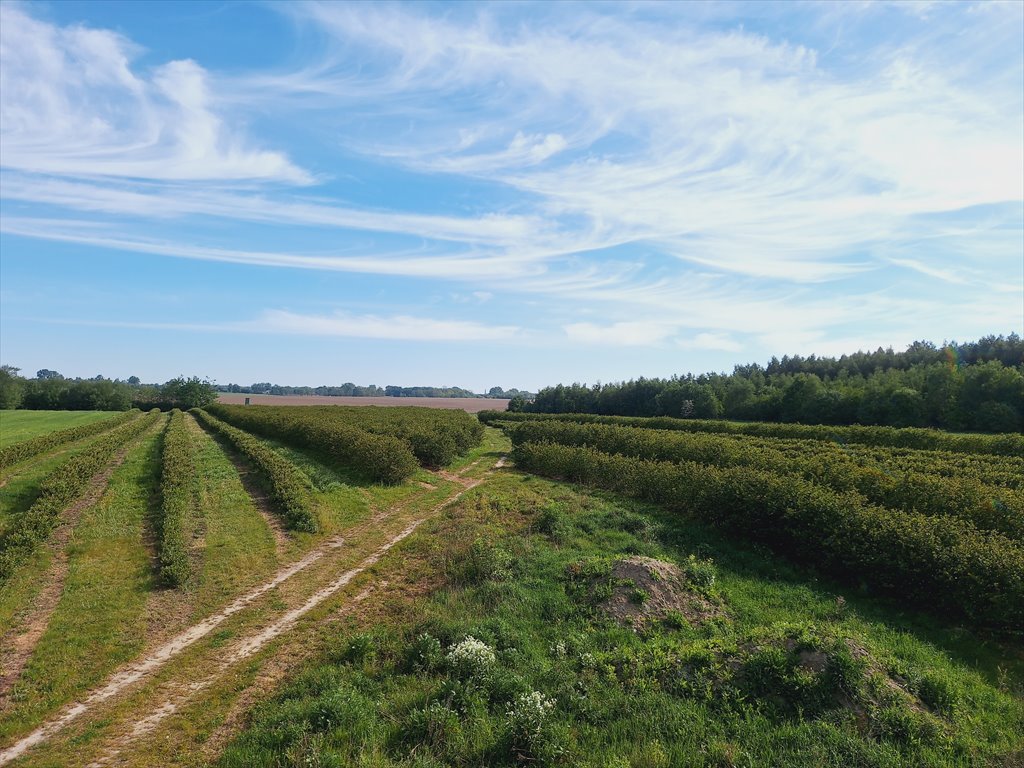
{"type": "Point", "coordinates": [100, 621]}
{"type": "Point", "coordinates": [16, 426]}
{"type": "Point", "coordinates": [238, 547]}
{"type": "Point", "coordinates": [728, 693]}
{"type": "Point", "coordinates": [20, 489]}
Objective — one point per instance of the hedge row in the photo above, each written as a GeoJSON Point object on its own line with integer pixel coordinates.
{"type": "Point", "coordinates": [988, 469]}
{"type": "Point", "coordinates": [289, 487]}
{"type": "Point", "coordinates": [437, 435]}
{"type": "Point", "coordinates": [942, 563]}
{"type": "Point", "coordinates": [178, 501]}
{"type": "Point", "coordinates": [910, 437]}
{"type": "Point", "coordinates": [381, 458]}
{"type": "Point", "coordinates": [26, 449]}
{"type": "Point", "coordinates": [59, 489]}
{"type": "Point", "coordinates": [986, 507]}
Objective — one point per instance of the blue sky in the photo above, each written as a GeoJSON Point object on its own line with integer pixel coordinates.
{"type": "Point", "coordinates": [510, 195]}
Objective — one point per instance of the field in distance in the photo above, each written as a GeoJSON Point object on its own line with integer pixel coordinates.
{"type": "Point", "coordinates": [468, 404]}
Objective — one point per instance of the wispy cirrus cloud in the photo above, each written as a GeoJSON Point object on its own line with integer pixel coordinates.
{"type": "Point", "coordinates": [684, 173]}
{"type": "Point", "coordinates": [71, 104]}
{"type": "Point", "coordinates": [337, 324]}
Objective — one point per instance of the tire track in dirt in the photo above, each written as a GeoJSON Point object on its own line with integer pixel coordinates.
{"type": "Point", "coordinates": [251, 485]}
{"type": "Point", "coordinates": [240, 650]}
{"type": "Point", "coordinates": [18, 648]}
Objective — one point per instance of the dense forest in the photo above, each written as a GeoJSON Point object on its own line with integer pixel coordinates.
{"type": "Point", "coordinates": [975, 386]}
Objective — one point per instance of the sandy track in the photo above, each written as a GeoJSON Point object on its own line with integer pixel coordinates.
{"type": "Point", "coordinates": [17, 649]}
{"type": "Point", "coordinates": [242, 649]}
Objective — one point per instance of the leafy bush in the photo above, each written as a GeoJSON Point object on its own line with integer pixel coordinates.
{"type": "Point", "coordinates": [60, 488]}
{"type": "Point", "coordinates": [912, 437]}
{"type": "Point", "coordinates": [26, 449]}
{"type": "Point", "coordinates": [177, 501]}
{"type": "Point", "coordinates": [289, 488]}
{"type": "Point", "coordinates": [382, 458]}
{"type": "Point", "coordinates": [942, 563]}
{"type": "Point", "coordinates": [989, 508]}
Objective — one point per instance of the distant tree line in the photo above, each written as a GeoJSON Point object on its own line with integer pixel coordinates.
{"type": "Point", "coordinates": [349, 389]}
{"type": "Point", "coordinates": [975, 386]}
{"type": "Point", "coordinates": [49, 390]}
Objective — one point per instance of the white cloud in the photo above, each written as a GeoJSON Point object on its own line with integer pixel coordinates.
{"type": "Point", "coordinates": [701, 181]}
{"type": "Point", "coordinates": [374, 327]}
{"type": "Point", "coordinates": [71, 104]}
{"type": "Point", "coordinates": [628, 334]}
{"type": "Point", "coordinates": [338, 324]}
{"type": "Point", "coordinates": [713, 341]}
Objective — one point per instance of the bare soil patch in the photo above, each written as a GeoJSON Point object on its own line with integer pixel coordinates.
{"type": "Point", "coordinates": [468, 404]}
{"type": "Point", "coordinates": [646, 590]}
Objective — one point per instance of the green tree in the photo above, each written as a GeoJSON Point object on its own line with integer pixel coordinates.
{"type": "Point", "coordinates": [189, 393]}
{"type": "Point", "coordinates": [11, 387]}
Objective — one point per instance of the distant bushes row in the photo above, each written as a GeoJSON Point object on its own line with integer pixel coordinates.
{"type": "Point", "coordinates": [436, 436]}
{"type": "Point", "coordinates": [59, 489]}
{"type": "Point", "coordinates": [987, 507]}
{"type": "Point", "coordinates": [178, 501]}
{"type": "Point", "coordinates": [943, 563]}
{"type": "Point", "coordinates": [910, 437]}
{"type": "Point", "coordinates": [288, 486]}
{"type": "Point", "coordinates": [381, 458]}
{"type": "Point", "coordinates": [26, 449]}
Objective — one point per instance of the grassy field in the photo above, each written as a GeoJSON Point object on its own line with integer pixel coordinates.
{"type": "Point", "coordinates": [528, 622]}
{"type": "Point", "coordinates": [559, 682]}
{"type": "Point", "coordinates": [101, 618]}
{"type": "Point", "coordinates": [16, 426]}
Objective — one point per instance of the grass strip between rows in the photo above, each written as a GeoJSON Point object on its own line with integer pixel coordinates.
{"type": "Point", "coordinates": [988, 508]}
{"type": "Point", "coordinates": [26, 449]}
{"type": "Point", "coordinates": [178, 500]}
{"type": "Point", "coordinates": [59, 489]}
{"type": "Point", "coordinates": [289, 487]}
{"type": "Point", "coordinates": [941, 563]}
{"type": "Point", "coordinates": [894, 437]}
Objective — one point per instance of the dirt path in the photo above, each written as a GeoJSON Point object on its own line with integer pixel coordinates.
{"type": "Point", "coordinates": [17, 648]}
{"type": "Point", "coordinates": [242, 649]}
{"type": "Point", "coordinates": [251, 485]}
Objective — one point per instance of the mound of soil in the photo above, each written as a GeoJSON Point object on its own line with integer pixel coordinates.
{"type": "Point", "coordinates": [647, 590]}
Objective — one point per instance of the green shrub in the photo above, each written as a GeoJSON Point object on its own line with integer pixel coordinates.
{"type": "Point", "coordinates": [942, 563]}
{"type": "Point", "coordinates": [60, 488]}
{"type": "Point", "coordinates": [909, 437]}
{"type": "Point", "coordinates": [178, 501]}
{"type": "Point", "coordinates": [987, 507]}
{"type": "Point", "coordinates": [289, 488]}
{"type": "Point", "coordinates": [380, 457]}
{"type": "Point", "coordinates": [26, 449]}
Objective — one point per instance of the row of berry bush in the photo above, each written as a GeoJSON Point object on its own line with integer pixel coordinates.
{"type": "Point", "coordinates": [380, 458]}
{"type": "Point", "coordinates": [178, 501]}
{"type": "Point", "coordinates": [986, 507]}
{"type": "Point", "coordinates": [59, 488]}
{"type": "Point", "coordinates": [26, 449]}
{"type": "Point", "coordinates": [942, 563]}
{"type": "Point", "coordinates": [909, 437]}
{"type": "Point", "coordinates": [288, 486]}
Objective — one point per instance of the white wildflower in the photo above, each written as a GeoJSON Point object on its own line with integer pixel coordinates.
{"type": "Point", "coordinates": [471, 657]}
